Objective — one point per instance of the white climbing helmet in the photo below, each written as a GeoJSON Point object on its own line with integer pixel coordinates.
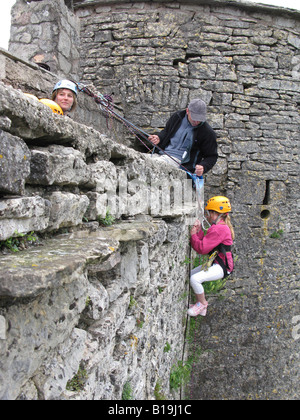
{"type": "Point", "coordinates": [66, 84]}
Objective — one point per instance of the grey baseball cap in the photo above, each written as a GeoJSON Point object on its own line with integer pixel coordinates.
{"type": "Point", "coordinates": [197, 110]}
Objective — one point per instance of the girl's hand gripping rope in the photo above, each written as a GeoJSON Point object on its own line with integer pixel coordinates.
{"type": "Point", "coordinates": [195, 229]}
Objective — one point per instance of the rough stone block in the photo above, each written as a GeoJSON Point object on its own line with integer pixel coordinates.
{"type": "Point", "coordinates": [97, 207]}
{"type": "Point", "coordinates": [67, 209]}
{"type": "Point", "coordinates": [23, 215]}
{"type": "Point", "coordinates": [58, 165]}
{"type": "Point", "coordinates": [14, 164]}
{"type": "Point", "coordinates": [53, 16]}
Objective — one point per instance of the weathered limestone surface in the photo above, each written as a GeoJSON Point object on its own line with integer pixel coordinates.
{"type": "Point", "coordinates": [22, 215]}
{"type": "Point", "coordinates": [93, 301]}
{"type": "Point", "coordinates": [14, 164]}
{"type": "Point", "coordinates": [98, 299]}
{"type": "Point", "coordinates": [107, 311]}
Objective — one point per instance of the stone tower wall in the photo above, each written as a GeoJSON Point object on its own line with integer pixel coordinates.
{"type": "Point", "coordinates": [244, 61]}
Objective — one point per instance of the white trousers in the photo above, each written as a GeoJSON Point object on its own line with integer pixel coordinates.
{"type": "Point", "coordinates": [215, 272]}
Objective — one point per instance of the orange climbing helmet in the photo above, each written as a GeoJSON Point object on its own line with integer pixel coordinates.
{"type": "Point", "coordinates": [219, 204]}
{"type": "Point", "coordinates": [53, 105]}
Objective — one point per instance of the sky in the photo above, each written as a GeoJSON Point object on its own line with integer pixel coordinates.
{"type": "Point", "coordinates": [7, 4]}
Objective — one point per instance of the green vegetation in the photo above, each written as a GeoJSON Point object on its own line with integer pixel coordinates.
{"type": "Point", "coordinates": [159, 395]}
{"type": "Point", "coordinates": [132, 302]}
{"type": "Point", "coordinates": [127, 392]}
{"type": "Point", "coordinates": [277, 234]}
{"type": "Point", "coordinates": [78, 381]}
{"type": "Point", "coordinates": [108, 220]}
{"type": "Point", "coordinates": [18, 242]}
{"type": "Point", "coordinates": [167, 347]}
{"type": "Point", "coordinates": [181, 373]}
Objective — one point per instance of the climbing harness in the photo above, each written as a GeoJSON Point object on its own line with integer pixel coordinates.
{"type": "Point", "coordinates": [106, 104]}
{"type": "Point", "coordinates": [212, 256]}
{"type": "Point", "coordinates": [225, 266]}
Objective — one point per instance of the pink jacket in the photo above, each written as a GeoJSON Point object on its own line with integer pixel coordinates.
{"type": "Point", "coordinates": [216, 235]}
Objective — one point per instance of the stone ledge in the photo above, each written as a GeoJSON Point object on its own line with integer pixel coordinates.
{"type": "Point", "coordinates": [136, 231]}
{"type": "Point", "coordinates": [62, 259]}
{"type": "Point", "coordinates": [36, 123]}
{"type": "Point", "coordinates": [241, 4]}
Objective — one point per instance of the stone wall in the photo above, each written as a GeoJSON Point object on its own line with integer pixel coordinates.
{"type": "Point", "coordinates": [53, 38]}
{"type": "Point", "coordinates": [155, 57]}
{"type": "Point", "coordinates": [106, 301]}
{"type": "Point", "coordinates": [244, 61]}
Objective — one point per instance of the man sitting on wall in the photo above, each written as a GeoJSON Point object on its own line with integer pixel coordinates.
{"type": "Point", "coordinates": [188, 140]}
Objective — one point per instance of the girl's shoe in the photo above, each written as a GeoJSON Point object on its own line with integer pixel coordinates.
{"type": "Point", "coordinates": [197, 309]}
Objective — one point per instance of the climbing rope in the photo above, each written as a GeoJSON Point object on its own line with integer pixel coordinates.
{"type": "Point", "coordinates": [107, 106]}
{"type": "Point", "coordinates": [105, 103]}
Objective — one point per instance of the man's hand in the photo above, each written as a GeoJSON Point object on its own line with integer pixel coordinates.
{"type": "Point", "coordinates": [199, 170]}
{"type": "Point", "coordinates": [154, 139]}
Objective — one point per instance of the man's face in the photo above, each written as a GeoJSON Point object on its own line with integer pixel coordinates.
{"type": "Point", "coordinates": [192, 122]}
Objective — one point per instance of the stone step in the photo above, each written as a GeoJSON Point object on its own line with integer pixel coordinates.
{"type": "Point", "coordinates": [62, 259]}
{"type": "Point", "coordinates": [59, 261]}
